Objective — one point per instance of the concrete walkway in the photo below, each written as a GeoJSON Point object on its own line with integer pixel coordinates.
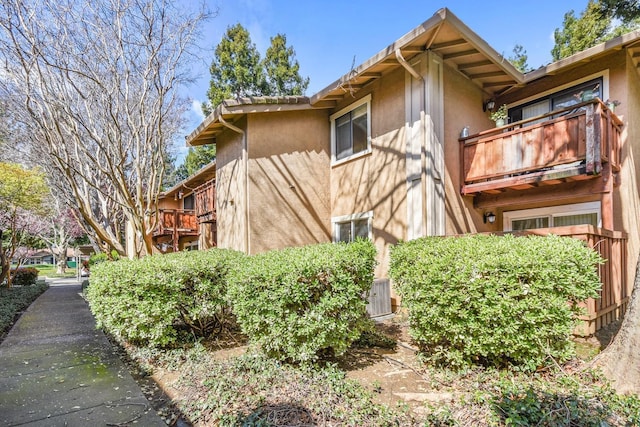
{"type": "Point", "coordinates": [56, 369]}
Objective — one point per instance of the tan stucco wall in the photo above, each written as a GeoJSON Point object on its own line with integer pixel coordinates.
{"type": "Point", "coordinates": [377, 181]}
{"type": "Point", "coordinates": [462, 107]}
{"type": "Point", "coordinates": [230, 190]}
{"type": "Point", "coordinates": [288, 179]}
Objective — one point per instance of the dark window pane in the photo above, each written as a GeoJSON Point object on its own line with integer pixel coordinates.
{"type": "Point", "coordinates": [360, 134]}
{"type": "Point", "coordinates": [531, 223]}
{"type": "Point", "coordinates": [343, 136]}
{"type": "Point", "coordinates": [361, 228]}
{"type": "Point", "coordinates": [344, 232]}
{"type": "Point", "coordinates": [189, 202]}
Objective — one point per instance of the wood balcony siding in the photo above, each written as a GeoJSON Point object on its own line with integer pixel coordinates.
{"type": "Point", "coordinates": [176, 222]}
{"type": "Point", "coordinates": [614, 295]}
{"type": "Point", "coordinates": [206, 202]}
{"type": "Point", "coordinates": [564, 145]}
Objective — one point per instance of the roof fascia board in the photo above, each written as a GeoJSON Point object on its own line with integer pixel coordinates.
{"type": "Point", "coordinates": [482, 46]}
{"type": "Point", "coordinates": [441, 16]}
{"type": "Point", "coordinates": [586, 55]}
{"type": "Point", "coordinates": [210, 167]}
{"type": "Point", "coordinates": [248, 106]}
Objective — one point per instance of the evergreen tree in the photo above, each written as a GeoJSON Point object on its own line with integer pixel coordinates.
{"type": "Point", "coordinates": [282, 69]}
{"type": "Point", "coordinates": [196, 158]}
{"type": "Point", "coordinates": [235, 69]}
{"type": "Point", "coordinates": [595, 25]}
{"type": "Point", "coordinates": [519, 59]}
{"type": "Point", "coordinates": [626, 10]}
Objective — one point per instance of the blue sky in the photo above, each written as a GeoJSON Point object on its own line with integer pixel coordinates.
{"type": "Point", "coordinates": [327, 35]}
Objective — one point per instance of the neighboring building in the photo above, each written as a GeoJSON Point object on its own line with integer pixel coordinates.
{"type": "Point", "coordinates": [41, 257]}
{"type": "Point", "coordinates": [186, 214]}
{"type": "Point", "coordinates": [403, 147]}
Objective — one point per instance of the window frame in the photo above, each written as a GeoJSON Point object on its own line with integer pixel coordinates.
{"type": "Point", "coordinates": [602, 77]}
{"type": "Point", "coordinates": [551, 212]}
{"type": "Point", "coordinates": [338, 220]}
{"type": "Point", "coordinates": [333, 117]}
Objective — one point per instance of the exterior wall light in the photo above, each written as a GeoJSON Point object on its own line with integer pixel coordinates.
{"type": "Point", "coordinates": [489, 217]}
{"type": "Point", "coordinates": [489, 105]}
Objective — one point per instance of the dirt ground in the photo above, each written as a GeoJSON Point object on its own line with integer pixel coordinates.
{"type": "Point", "coordinates": [393, 375]}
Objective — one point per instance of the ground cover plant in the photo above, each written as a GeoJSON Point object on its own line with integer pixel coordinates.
{"type": "Point", "coordinates": [494, 300]}
{"type": "Point", "coordinates": [15, 300]}
{"type": "Point", "coordinates": [152, 300]}
{"type": "Point", "coordinates": [298, 304]}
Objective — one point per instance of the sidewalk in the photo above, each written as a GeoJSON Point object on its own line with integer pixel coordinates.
{"type": "Point", "coordinates": [57, 369]}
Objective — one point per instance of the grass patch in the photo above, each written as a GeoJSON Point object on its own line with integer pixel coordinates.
{"type": "Point", "coordinates": [15, 300]}
{"type": "Point", "coordinates": [50, 270]}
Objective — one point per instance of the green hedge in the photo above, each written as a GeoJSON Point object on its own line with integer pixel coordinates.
{"type": "Point", "coordinates": [25, 276]}
{"type": "Point", "coordinates": [301, 303]}
{"type": "Point", "coordinates": [494, 300]}
{"type": "Point", "coordinates": [148, 301]}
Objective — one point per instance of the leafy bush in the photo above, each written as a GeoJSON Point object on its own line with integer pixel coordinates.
{"type": "Point", "coordinates": [297, 303]}
{"type": "Point", "coordinates": [148, 301]}
{"type": "Point", "coordinates": [15, 300]}
{"type": "Point", "coordinates": [24, 276]}
{"type": "Point", "coordinates": [494, 300]}
{"type": "Point", "coordinates": [102, 257]}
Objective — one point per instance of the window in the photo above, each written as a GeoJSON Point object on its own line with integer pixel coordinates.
{"type": "Point", "coordinates": [556, 101]}
{"type": "Point", "coordinates": [349, 227]}
{"type": "Point", "coordinates": [189, 202]}
{"type": "Point", "coordinates": [351, 130]}
{"type": "Point", "coordinates": [557, 216]}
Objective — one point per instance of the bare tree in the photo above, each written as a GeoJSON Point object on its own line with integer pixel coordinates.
{"type": "Point", "coordinates": [92, 87]}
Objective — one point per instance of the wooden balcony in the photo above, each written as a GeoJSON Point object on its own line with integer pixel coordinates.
{"type": "Point", "coordinates": [573, 144]}
{"type": "Point", "coordinates": [614, 295]}
{"type": "Point", "coordinates": [206, 202]}
{"type": "Point", "coordinates": [176, 223]}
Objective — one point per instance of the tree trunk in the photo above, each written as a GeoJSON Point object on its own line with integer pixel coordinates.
{"type": "Point", "coordinates": [61, 265]}
{"type": "Point", "coordinates": [620, 361]}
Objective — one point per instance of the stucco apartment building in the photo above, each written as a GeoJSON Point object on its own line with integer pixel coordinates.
{"type": "Point", "coordinates": [402, 147]}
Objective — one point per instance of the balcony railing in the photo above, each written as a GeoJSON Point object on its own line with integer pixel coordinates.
{"type": "Point", "coordinates": [206, 202]}
{"type": "Point", "coordinates": [569, 144]}
{"type": "Point", "coordinates": [176, 222]}
{"type": "Point", "coordinates": [614, 295]}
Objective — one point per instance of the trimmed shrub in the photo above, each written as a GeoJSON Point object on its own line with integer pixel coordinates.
{"type": "Point", "coordinates": [24, 276]}
{"type": "Point", "coordinates": [300, 303]}
{"type": "Point", "coordinates": [494, 300]}
{"type": "Point", "coordinates": [148, 301]}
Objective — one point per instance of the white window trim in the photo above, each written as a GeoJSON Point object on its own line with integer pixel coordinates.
{"type": "Point", "coordinates": [348, 218]}
{"type": "Point", "coordinates": [562, 210]}
{"type": "Point", "coordinates": [334, 116]}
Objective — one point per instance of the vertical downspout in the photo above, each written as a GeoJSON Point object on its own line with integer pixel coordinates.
{"type": "Point", "coordinates": [245, 158]}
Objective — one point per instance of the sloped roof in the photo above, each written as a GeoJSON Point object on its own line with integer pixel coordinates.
{"type": "Point", "coordinates": [206, 173]}
{"type": "Point", "coordinates": [230, 110]}
{"type": "Point", "coordinates": [631, 41]}
{"type": "Point", "coordinates": [443, 33]}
